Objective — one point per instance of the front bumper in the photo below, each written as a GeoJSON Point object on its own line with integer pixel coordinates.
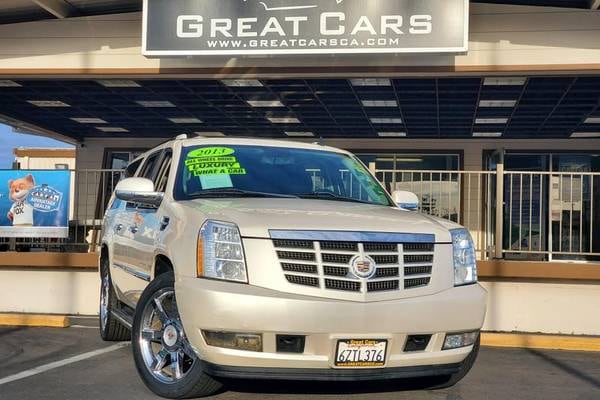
{"type": "Point", "coordinates": [222, 306]}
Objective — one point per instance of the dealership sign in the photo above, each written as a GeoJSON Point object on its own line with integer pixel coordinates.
{"type": "Point", "coordinates": [253, 27]}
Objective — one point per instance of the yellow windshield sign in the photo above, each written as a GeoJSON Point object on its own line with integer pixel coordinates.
{"type": "Point", "coordinates": [213, 161]}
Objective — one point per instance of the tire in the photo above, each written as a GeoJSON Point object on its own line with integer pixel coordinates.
{"type": "Point", "coordinates": [464, 369]}
{"type": "Point", "coordinates": [163, 357]}
{"type": "Point", "coordinates": [111, 329]}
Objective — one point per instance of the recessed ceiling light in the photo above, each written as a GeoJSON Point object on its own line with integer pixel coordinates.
{"type": "Point", "coordinates": [155, 104]}
{"type": "Point", "coordinates": [370, 82]}
{"type": "Point", "coordinates": [48, 103]}
{"type": "Point", "coordinates": [491, 120]}
{"type": "Point", "coordinates": [380, 103]}
{"type": "Point", "coordinates": [112, 129]}
{"type": "Point", "coordinates": [386, 120]}
{"type": "Point", "coordinates": [89, 120]}
{"type": "Point", "coordinates": [118, 83]}
{"type": "Point", "coordinates": [504, 81]}
{"type": "Point", "coordinates": [284, 120]}
{"type": "Point", "coordinates": [185, 120]}
{"type": "Point", "coordinates": [242, 83]}
{"type": "Point", "coordinates": [392, 134]}
{"type": "Point", "coordinates": [487, 134]}
{"type": "Point", "coordinates": [265, 103]}
{"type": "Point", "coordinates": [585, 135]}
{"type": "Point", "coordinates": [498, 103]}
{"type": "Point", "coordinates": [592, 120]}
{"type": "Point", "coordinates": [210, 134]}
{"type": "Point", "coordinates": [300, 134]}
{"type": "Point", "coordinates": [7, 83]}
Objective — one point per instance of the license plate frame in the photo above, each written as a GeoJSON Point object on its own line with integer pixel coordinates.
{"type": "Point", "coordinates": [363, 358]}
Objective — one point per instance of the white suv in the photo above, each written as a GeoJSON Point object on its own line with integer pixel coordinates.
{"type": "Point", "coordinates": [239, 258]}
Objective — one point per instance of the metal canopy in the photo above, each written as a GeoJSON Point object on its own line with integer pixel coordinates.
{"type": "Point", "coordinates": [507, 107]}
{"type": "Point", "coordinates": [12, 11]}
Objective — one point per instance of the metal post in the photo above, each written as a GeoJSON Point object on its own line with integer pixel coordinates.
{"type": "Point", "coordinates": [498, 253]}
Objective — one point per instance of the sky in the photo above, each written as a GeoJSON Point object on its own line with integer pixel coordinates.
{"type": "Point", "coordinates": [10, 140]}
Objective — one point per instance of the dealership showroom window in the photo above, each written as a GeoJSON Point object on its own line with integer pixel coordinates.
{"type": "Point", "coordinates": [315, 198]}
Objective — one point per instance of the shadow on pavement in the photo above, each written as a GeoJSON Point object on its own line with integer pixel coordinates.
{"type": "Point", "coordinates": [595, 382]}
{"type": "Point", "coordinates": [333, 388]}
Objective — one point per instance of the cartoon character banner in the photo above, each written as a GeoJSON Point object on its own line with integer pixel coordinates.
{"type": "Point", "coordinates": [34, 204]}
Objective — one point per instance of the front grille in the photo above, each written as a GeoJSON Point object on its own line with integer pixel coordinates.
{"type": "Point", "coordinates": [295, 255]}
{"type": "Point", "coordinates": [381, 286]}
{"type": "Point", "coordinates": [336, 284]}
{"type": "Point", "coordinates": [421, 270]}
{"type": "Point", "coordinates": [302, 268]}
{"type": "Point", "coordinates": [385, 259]}
{"type": "Point", "coordinates": [293, 244]}
{"type": "Point", "coordinates": [418, 258]}
{"type": "Point", "coordinates": [387, 272]}
{"type": "Point", "coordinates": [416, 282]}
{"type": "Point", "coordinates": [381, 247]}
{"type": "Point", "coordinates": [335, 271]}
{"type": "Point", "coordinates": [303, 280]}
{"type": "Point", "coordinates": [328, 265]}
{"type": "Point", "coordinates": [339, 246]}
{"type": "Point", "coordinates": [336, 258]}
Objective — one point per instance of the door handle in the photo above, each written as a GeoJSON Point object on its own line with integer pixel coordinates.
{"type": "Point", "coordinates": [118, 228]}
{"type": "Point", "coordinates": [164, 223]}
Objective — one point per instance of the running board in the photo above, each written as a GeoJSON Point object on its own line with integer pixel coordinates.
{"type": "Point", "coordinates": [123, 316]}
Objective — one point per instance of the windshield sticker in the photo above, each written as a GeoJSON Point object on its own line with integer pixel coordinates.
{"type": "Point", "coordinates": [216, 181]}
{"type": "Point", "coordinates": [209, 161]}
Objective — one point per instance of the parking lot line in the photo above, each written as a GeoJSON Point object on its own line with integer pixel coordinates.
{"type": "Point", "coordinates": [57, 364]}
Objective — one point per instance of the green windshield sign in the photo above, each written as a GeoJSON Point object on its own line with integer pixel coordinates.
{"type": "Point", "coordinates": [213, 161]}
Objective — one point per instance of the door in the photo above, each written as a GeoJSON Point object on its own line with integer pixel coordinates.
{"type": "Point", "coordinates": [129, 274]}
{"type": "Point", "coordinates": [143, 248]}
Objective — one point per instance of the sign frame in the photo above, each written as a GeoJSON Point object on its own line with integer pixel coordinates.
{"type": "Point", "coordinates": [278, 52]}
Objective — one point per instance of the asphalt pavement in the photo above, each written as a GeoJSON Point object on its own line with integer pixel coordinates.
{"type": "Point", "coordinates": [73, 363]}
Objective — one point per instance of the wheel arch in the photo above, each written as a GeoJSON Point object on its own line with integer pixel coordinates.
{"type": "Point", "coordinates": [162, 265]}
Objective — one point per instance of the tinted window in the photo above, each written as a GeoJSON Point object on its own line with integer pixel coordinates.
{"type": "Point", "coordinates": [132, 168]}
{"type": "Point", "coordinates": [149, 166]}
{"type": "Point", "coordinates": [163, 173]}
{"type": "Point", "coordinates": [260, 170]}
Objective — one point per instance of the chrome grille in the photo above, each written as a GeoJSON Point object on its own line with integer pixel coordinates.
{"type": "Point", "coordinates": [303, 280]}
{"type": "Point", "coordinates": [328, 264]}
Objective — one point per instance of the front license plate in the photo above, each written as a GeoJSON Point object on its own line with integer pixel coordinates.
{"type": "Point", "coordinates": [361, 353]}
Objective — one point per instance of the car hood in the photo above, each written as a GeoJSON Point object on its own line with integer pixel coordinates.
{"type": "Point", "coordinates": [256, 216]}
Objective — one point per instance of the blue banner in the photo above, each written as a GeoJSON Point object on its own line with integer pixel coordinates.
{"type": "Point", "coordinates": [34, 204]}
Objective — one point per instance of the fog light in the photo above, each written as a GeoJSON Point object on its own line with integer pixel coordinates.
{"type": "Point", "coordinates": [457, 340]}
{"type": "Point", "coordinates": [236, 341]}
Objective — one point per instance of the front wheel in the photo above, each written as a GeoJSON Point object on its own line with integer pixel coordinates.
{"type": "Point", "coordinates": [163, 356]}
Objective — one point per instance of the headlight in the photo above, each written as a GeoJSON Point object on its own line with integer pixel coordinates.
{"type": "Point", "coordinates": [220, 252]}
{"type": "Point", "coordinates": [465, 264]}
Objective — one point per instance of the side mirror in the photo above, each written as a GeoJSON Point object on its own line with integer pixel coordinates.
{"type": "Point", "coordinates": [406, 200]}
{"type": "Point", "coordinates": [138, 190]}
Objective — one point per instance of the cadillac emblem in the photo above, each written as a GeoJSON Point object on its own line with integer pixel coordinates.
{"type": "Point", "coordinates": [363, 266]}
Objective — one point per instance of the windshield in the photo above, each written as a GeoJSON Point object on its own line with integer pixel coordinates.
{"type": "Point", "coordinates": [258, 171]}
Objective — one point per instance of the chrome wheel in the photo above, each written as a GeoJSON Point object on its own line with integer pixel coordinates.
{"type": "Point", "coordinates": [164, 347]}
{"type": "Point", "coordinates": [104, 296]}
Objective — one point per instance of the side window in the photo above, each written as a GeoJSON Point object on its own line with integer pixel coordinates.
{"type": "Point", "coordinates": [163, 173]}
{"type": "Point", "coordinates": [132, 168]}
{"type": "Point", "coordinates": [149, 166]}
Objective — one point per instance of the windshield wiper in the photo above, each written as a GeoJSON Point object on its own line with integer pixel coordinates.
{"type": "Point", "coordinates": [330, 196]}
{"type": "Point", "coordinates": [232, 192]}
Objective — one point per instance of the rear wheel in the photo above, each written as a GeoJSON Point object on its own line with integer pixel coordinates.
{"type": "Point", "coordinates": [111, 329]}
{"type": "Point", "coordinates": [466, 366]}
{"type": "Point", "coordinates": [163, 356]}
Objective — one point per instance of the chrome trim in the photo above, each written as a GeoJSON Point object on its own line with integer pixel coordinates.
{"type": "Point", "coordinates": [122, 318]}
{"type": "Point", "coordinates": [349, 236]}
{"type": "Point", "coordinates": [131, 271]}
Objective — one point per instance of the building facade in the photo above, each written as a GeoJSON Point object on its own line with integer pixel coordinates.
{"type": "Point", "coordinates": [502, 136]}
